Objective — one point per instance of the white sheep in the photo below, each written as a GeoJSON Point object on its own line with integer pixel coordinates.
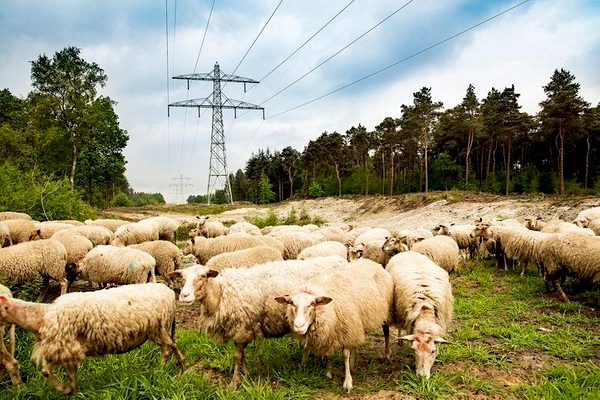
{"type": "Point", "coordinates": [95, 323]}
{"type": "Point", "coordinates": [585, 216]}
{"type": "Point", "coordinates": [119, 265]}
{"type": "Point", "coordinates": [23, 262]}
{"type": "Point", "coordinates": [21, 230]}
{"type": "Point", "coordinates": [295, 242]}
{"type": "Point", "coordinates": [337, 233]}
{"type": "Point", "coordinates": [373, 235]}
{"type": "Point", "coordinates": [166, 254]}
{"type": "Point", "coordinates": [45, 229]}
{"type": "Point", "coordinates": [237, 303]}
{"type": "Point", "coordinates": [209, 228]}
{"type": "Point", "coordinates": [204, 248]}
{"type": "Point", "coordinates": [371, 250]}
{"type": "Point", "coordinates": [136, 232]}
{"type": "Point", "coordinates": [244, 227]}
{"type": "Point", "coordinates": [244, 258]}
{"type": "Point", "coordinates": [109, 223]}
{"type": "Point", "coordinates": [167, 227]}
{"type": "Point", "coordinates": [422, 305]}
{"type": "Point", "coordinates": [594, 225]}
{"type": "Point", "coordinates": [4, 215]}
{"type": "Point", "coordinates": [566, 227]}
{"type": "Point", "coordinates": [5, 239]}
{"type": "Point", "coordinates": [328, 248]}
{"type": "Point", "coordinates": [8, 361]}
{"type": "Point", "coordinates": [443, 250]}
{"type": "Point", "coordinates": [77, 247]}
{"type": "Point", "coordinates": [98, 235]}
{"type": "Point", "coordinates": [461, 233]}
{"type": "Point", "coordinates": [411, 236]}
{"type": "Point", "coordinates": [336, 309]}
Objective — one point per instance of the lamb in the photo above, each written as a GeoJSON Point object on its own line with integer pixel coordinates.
{"type": "Point", "coordinates": [360, 297]}
{"type": "Point", "coordinates": [461, 233]}
{"type": "Point", "coordinates": [237, 303]}
{"type": "Point", "coordinates": [166, 255]}
{"type": "Point", "coordinates": [8, 361]}
{"type": "Point", "coordinates": [111, 224]}
{"type": "Point", "coordinates": [95, 323]}
{"type": "Point", "coordinates": [328, 248]}
{"type": "Point", "coordinates": [208, 228]}
{"type": "Point", "coordinates": [371, 250]}
{"type": "Point", "coordinates": [4, 215]}
{"type": "Point", "coordinates": [587, 215]}
{"type": "Point", "coordinates": [136, 232]}
{"type": "Point", "coordinates": [422, 305]}
{"type": "Point", "coordinates": [244, 258]}
{"type": "Point", "coordinates": [23, 262]}
{"type": "Point", "coordinates": [570, 254]}
{"type": "Point", "coordinates": [5, 239]}
{"type": "Point", "coordinates": [119, 265]}
{"type": "Point", "coordinates": [98, 235]}
{"type": "Point", "coordinates": [204, 248]}
{"type": "Point", "coordinates": [77, 247]}
{"type": "Point", "coordinates": [244, 227]}
{"type": "Point", "coordinates": [21, 230]}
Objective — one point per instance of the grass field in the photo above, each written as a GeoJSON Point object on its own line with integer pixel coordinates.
{"type": "Point", "coordinates": [510, 340]}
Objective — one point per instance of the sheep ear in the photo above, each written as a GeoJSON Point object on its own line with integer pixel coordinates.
{"type": "Point", "coordinates": [193, 241]}
{"type": "Point", "coordinates": [539, 218]}
{"type": "Point", "coordinates": [408, 338]}
{"type": "Point", "coordinates": [3, 298]}
{"type": "Point", "coordinates": [283, 299]}
{"type": "Point", "coordinates": [175, 274]}
{"type": "Point", "coordinates": [441, 340]}
{"type": "Point", "coordinates": [212, 273]}
{"type": "Point", "coordinates": [322, 300]}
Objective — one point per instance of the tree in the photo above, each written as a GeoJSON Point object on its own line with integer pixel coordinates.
{"type": "Point", "coordinates": [67, 88]}
{"type": "Point", "coordinates": [561, 109]}
{"type": "Point", "coordinates": [511, 123]}
{"type": "Point", "coordinates": [470, 110]}
{"type": "Point", "coordinates": [265, 190]}
{"type": "Point", "coordinates": [290, 159]}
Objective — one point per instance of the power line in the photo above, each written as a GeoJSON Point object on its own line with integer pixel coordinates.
{"type": "Point", "coordinates": [337, 52]}
{"type": "Point", "coordinates": [204, 36]}
{"type": "Point", "coordinates": [168, 86]}
{"type": "Point", "coordinates": [400, 61]}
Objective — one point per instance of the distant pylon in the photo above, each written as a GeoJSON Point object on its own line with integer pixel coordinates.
{"type": "Point", "coordinates": [217, 170]}
{"type": "Point", "coordinates": [179, 187]}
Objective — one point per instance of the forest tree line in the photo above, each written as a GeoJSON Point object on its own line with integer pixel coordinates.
{"type": "Point", "coordinates": [487, 144]}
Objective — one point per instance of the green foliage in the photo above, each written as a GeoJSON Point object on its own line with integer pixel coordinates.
{"type": "Point", "coordinates": [315, 190]}
{"type": "Point", "coordinates": [143, 199]}
{"type": "Point", "coordinates": [445, 173]}
{"type": "Point", "coordinates": [121, 200]}
{"type": "Point", "coordinates": [265, 191]}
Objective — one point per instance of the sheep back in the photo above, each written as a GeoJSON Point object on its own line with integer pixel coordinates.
{"type": "Point", "coordinates": [119, 265]}
{"type": "Point", "coordinates": [24, 261]}
{"type": "Point", "coordinates": [244, 258]}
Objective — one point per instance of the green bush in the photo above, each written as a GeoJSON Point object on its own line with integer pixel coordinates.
{"type": "Point", "coordinates": [121, 200]}
{"type": "Point", "coordinates": [315, 190]}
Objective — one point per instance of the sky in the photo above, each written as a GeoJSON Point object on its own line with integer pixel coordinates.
{"type": "Point", "coordinates": [142, 44]}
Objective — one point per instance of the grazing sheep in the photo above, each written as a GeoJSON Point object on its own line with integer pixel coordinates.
{"type": "Point", "coordinates": [204, 248]}
{"type": "Point", "coordinates": [77, 247]}
{"type": "Point", "coordinates": [336, 309]}
{"type": "Point", "coordinates": [373, 235]}
{"type": "Point", "coordinates": [585, 216]}
{"type": "Point", "coordinates": [111, 224]}
{"type": "Point", "coordinates": [295, 242]}
{"type": "Point", "coordinates": [337, 233]}
{"type": "Point", "coordinates": [354, 232]}
{"type": "Point", "coordinates": [166, 255]}
{"type": "Point", "coordinates": [371, 251]}
{"type": "Point", "coordinates": [45, 229]}
{"type": "Point", "coordinates": [4, 215]}
{"type": "Point", "coordinates": [244, 227]}
{"type": "Point", "coordinates": [136, 232]}
{"type": "Point", "coordinates": [422, 305]}
{"type": "Point", "coordinates": [237, 303]}
{"type": "Point", "coordinates": [461, 233]}
{"type": "Point", "coordinates": [277, 230]}
{"type": "Point", "coordinates": [8, 361]}
{"type": "Point", "coordinates": [244, 258]}
{"type": "Point", "coordinates": [119, 265]}
{"type": "Point", "coordinates": [23, 262]}
{"type": "Point", "coordinates": [594, 225]}
{"type": "Point", "coordinates": [442, 250]}
{"type": "Point", "coordinates": [208, 228]}
{"type": "Point", "coordinates": [412, 236]}
{"type": "Point", "coordinates": [570, 254]}
{"type": "Point", "coordinates": [21, 230]}
{"type": "Point", "coordinates": [328, 248]}
{"type": "Point", "coordinates": [95, 323]}
{"type": "Point", "coordinates": [5, 239]}
{"type": "Point", "coordinates": [167, 227]}
{"type": "Point", "coordinates": [98, 235]}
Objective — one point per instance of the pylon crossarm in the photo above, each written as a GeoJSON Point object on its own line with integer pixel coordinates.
{"type": "Point", "coordinates": [210, 76]}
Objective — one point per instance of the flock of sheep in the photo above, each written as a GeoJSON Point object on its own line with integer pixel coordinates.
{"type": "Point", "coordinates": [328, 286]}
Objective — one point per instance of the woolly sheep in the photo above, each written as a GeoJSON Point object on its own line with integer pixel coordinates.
{"type": "Point", "coordinates": [136, 232]}
{"type": "Point", "coordinates": [208, 228]}
{"type": "Point", "coordinates": [571, 254]}
{"type": "Point", "coordinates": [354, 232]}
{"type": "Point", "coordinates": [442, 250]}
{"type": "Point", "coordinates": [166, 255]}
{"type": "Point", "coordinates": [45, 229]}
{"type": "Point", "coordinates": [245, 227]}
{"type": "Point", "coordinates": [95, 323]}
{"type": "Point", "coordinates": [77, 247]}
{"type": "Point", "coordinates": [566, 227]}
{"type": "Point", "coordinates": [5, 239]}
{"type": "Point", "coordinates": [23, 262]}
{"type": "Point", "coordinates": [98, 235]}
{"type": "Point", "coordinates": [4, 215]}
{"type": "Point", "coordinates": [585, 216]}
{"type": "Point", "coordinates": [111, 224]}
{"type": "Point", "coordinates": [411, 236]}
{"type": "Point", "coordinates": [371, 250]}
{"type": "Point", "coordinates": [461, 233]}
{"type": "Point", "coordinates": [8, 361]}
{"type": "Point", "coordinates": [295, 242]}
{"type": "Point", "coordinates": [119, 265]}
{"type": "Point", "coordinates": [204, 248]}
{"type": "Point", "coordinates": [336, 309]}
{"type": "Point", "coordinates": [373, 235]}
{"type": "Point", "coordinates": [167, 227]}
{"type": "Point", "coordinates": [237, 303]}
{"type": "Point", "coordinates": [422, 305]}
{"type": "Point", "coordinates": [244, 258]}
{"type": "Point", "coordinates": [328, 248]}
{"type": "Point", "coordinates": [277, 230]}
{"type": "Point", "coordinates": [594, 225]}
{"type": "Point", "coordinates": [21, 230]}
{"type": "Point", "coordinates": [336, 233]}
{"type": "Point", "coordinates": [504, 241]}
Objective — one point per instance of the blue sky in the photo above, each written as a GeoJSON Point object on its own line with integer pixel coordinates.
{"type": "Point", "coordinates": [129, 41]}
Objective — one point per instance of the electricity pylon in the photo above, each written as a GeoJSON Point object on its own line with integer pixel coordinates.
{"type": "Point", "coordinates": [179, 188]}
{"type": "Point", "coordinates": [217, 170]}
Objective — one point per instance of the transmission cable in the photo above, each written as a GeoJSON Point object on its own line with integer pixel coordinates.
{"type": "Point", "coordinates": [400, 61]}
{"type": "Point", "coordinates": [168, 87]}
{"type": "Point", "coordinates": [204, 36]}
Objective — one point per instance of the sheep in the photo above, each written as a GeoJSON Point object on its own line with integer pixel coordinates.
{"type": "Point", "coordinates": [498, 239]}
{"type": "Point", "coordinates": [167, 227]}
{"type": "Point", "coordinates": [115, 264]}
{"type": "Point", "coordinates": [570, 254]}
{"type": "Point", "coordinates": [4, 215]}
{"type": "Point", "coordinates": [277, 230]}
{"type": "Point", "coordinates": [422, 305]}
{"type": "Point", "coordinates": [336, 309]}
{"type": "Point", "coordinates": [328, 248]}
{"type": "Point", "coordinates": [204, 248]}
{"type": "Point", "coordinates": [5, 239]}
{"type": "Point", "coordinates": [208, 228]}
{"type": "Point", "coordinates": [295, 242]}
{"type": "Point", "coordinates": [461, 235]}
{"type": "Point", "coordinates": [371, 250]}
{"type": "Point", "coordinates": [594, 225]}
{"type": "Point", "coordinates": [45, 229]}
{"type": "Point", "coordinates": [373, 235]}
{"type": "Point", "coordinates": [237, 303]}
{"type": "Point", "coordinates": [107, 321]}
{"type": "Point", "coordinates": [23, 262]}
{"type": "Point", "coordinates": [566, 227]}
{"type": "Point", "coordinates": [244, 258]}
{"type": "Point", "coordinates": [244, 227]}
{"type": "Point", "coordinates": [8, 361]}
{"type": "Point", "coordinates": [98, 235]}
{"type": "Point", "coordinates": [136, 232]}
{"type": "Point", "coordinates": [354, 232]}
{"type": "Point", "coordinates": [337, 233]}
{"type": "Point", "coordinates": [166, 255]}
{"type": "Point", "coordinates": [441, 249]}
{"type": "Point", "coordinates": [585, 216]}
{"type": "Point", "coordinates": [111, 224]}
{"type": "Point", "coordinates": [412, 236]}
{"type": "Point", "coordinates": [77, 247]}
{"type": "Point", "coordinates": [21, 230]}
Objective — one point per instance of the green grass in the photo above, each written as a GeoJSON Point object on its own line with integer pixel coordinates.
{"type": "Point", "coordinates": [509, 339]}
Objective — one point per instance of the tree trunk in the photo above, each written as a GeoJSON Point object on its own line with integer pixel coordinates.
{"type": "Point", "coordinates": [391, 173]}
{"type": "Point", "coordinates": [426, 171]}
{"type": "Point", "coordinates": [488, 164]}
{"type": "Point", "coordinates": [337, 174]}
{"type": "Point", "coordinates": [561, 158]}
{"type": "Point", "coordinates": [508, 165]}
{"type": "Point", "coordinates": [291, 178]}
{"type": "Point", "coordinates": [587, 163]}
{"type": "Point", "coordinates": [383, 172]}
{"type": "Point", "coordinates": [468, 156]}
{"type": "Point", "coordinates": [73, 167]}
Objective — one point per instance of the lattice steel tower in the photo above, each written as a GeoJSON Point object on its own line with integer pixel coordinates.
{"type": "Point", "coordinates": [217, 170]}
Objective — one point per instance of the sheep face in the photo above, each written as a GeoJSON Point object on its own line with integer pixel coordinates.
{"type": "Point", "coordinates": [189, 275]}
{"type": "Point", "coordinates": [482, 229]}
{"type": "Point", "coordinates": [355, 252]}
{"type": "Point", "coordinates": [424, 342]}
{"type": "Point", "coordinates": [302, 308]}
{"type": "Point", "coordinates": [393, 246]}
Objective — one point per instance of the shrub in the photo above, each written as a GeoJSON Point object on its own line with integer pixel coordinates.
{"type": "Point", "coordinates": [315, 190]}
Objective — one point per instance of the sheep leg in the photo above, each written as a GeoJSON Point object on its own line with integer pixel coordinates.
{"type": "Point", "coordinates": [238, 360]}
{"type": "Point", "coordinates": [328, 368]}
{"type": "Point", "coordinates": [58, 385]}
{"type": "Point", "coordinates": [64, 284]}
{"type": "Point", "coordinates": [348, 358]}
{"type": "Point", "coordinates": [304, 358]}
{"type": "Point", "coordinates": [386, 336]}
{"type": "Point", "coordinates": [7, 359]}
{"type": "Point", "coordinates": [72, 375]}
{"type": "Point", "coordinates": [559, 291]}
